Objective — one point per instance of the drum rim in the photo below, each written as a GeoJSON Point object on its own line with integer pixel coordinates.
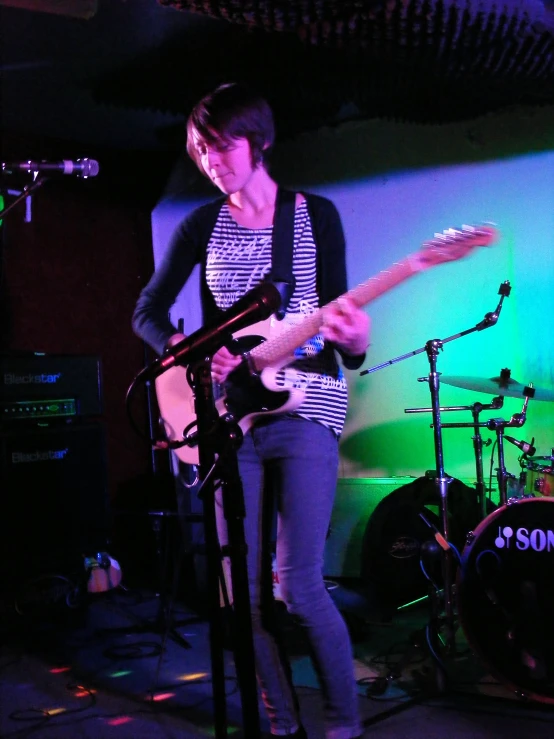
{"type": "Point", "coordinates": [473, 643]}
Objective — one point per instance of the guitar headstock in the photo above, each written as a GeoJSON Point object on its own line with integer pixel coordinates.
{"type": "Point", "coordinates": [453, 244]}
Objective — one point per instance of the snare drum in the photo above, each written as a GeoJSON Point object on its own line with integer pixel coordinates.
{"type": "Point", "coordinates": [540, 476]}
{"type": "Point", "coordinates": [505, 595]}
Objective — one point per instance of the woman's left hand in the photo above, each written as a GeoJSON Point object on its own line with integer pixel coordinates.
{"type": "Point", "coordinates": [347, 326]}
{"type": "Point", "coordinates": [223, 363]}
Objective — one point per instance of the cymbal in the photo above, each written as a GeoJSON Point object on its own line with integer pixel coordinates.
{"type": "Point", "coordinates": [496, 386]}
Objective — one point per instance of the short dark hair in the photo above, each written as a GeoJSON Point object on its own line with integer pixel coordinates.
{"type": "Point", "coordinates": [232, 111]}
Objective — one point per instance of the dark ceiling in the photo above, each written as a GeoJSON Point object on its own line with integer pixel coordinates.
{"type": "Point", "coordinates": [323, 61]}
{"type": "Point", "coordinates": [126, 75]}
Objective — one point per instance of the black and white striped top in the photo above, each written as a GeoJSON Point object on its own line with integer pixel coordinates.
{"type": "Point", "coordinates": [238, 259]}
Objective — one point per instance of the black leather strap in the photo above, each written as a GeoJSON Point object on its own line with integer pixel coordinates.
{"type": "Point", "coordinates": [282, 248]}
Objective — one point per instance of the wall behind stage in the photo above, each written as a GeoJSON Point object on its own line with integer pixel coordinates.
{"type": "Point", "coordinates": [396, 185]}
{"type": "Point", "coordinates": [71, 274]}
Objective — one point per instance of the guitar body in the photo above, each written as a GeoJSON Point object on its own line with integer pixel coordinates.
{"type": "Point", "coordinates": [246, 395]}
{"type": "Point", "coordinates": [252, 389]}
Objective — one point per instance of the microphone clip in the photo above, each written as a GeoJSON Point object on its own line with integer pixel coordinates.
{"type": "Point", "coordinates": [490, 319]}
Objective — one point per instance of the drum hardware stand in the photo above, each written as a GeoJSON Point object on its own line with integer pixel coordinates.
{"type": "Point", "coordinates": [476, 409]}
{"type": "Point", "coordinates": [477, 439]}
{"type": "Point", "coordinates": [432, 349]}
{"type": "Point", "coordinates": [498, 425]}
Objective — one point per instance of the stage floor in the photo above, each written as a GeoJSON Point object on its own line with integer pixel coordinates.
{"type": "Point", "coordinates": [100, 671]}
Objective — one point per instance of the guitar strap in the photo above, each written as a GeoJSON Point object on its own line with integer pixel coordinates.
{"type": "Point", "coordinates": [282, 246]}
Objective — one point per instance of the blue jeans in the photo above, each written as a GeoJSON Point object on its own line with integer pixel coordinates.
{"type": "Point", "coordinates": [295, 462]}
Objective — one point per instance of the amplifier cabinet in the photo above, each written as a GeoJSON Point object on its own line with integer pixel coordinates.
{"type": "Point", "coordinates": [54, 498]}
{"type": "Point", "coordinates": [355, 501]}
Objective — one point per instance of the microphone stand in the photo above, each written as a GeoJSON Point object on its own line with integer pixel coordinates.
{"type": "Point", "coordinates": [442, 482]}
{"type": "Point", "coordinates": [25, 193]}
{"type": "Point", "coordinates": [220, 437]}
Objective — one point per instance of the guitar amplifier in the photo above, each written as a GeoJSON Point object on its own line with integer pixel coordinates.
{"type": "Point", "coordinates": [49, 386]}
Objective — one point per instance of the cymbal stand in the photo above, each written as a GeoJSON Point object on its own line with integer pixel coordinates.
{"type": "Point", "coordinates": [432, 348]}
{"type": "Point", "coordinates": [477, 439]}
{"type": "Point", "coordinates": [498, 425]}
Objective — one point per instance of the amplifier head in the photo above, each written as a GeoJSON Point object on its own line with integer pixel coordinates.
{"type": "Point", "coordinates": [47, 385]}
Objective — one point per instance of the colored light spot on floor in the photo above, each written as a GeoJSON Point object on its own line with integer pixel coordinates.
{"type": "Point", "coordinates": [119, 721]}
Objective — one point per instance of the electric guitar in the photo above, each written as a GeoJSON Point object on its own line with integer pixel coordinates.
{"type": "Point", "coordinates": [251, 390]}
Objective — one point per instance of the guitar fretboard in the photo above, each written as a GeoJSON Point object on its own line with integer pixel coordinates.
{"type": "Point", "coordinates": [284, 343]}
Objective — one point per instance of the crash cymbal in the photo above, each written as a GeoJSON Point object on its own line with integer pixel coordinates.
{"type": "Point", "coordinates": [495, 386]}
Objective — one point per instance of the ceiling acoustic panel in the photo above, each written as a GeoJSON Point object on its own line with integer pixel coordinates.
{"type": "Point", "coordinates": [324, 61]}
{"type": "Point", "coordinates": [509, 37]}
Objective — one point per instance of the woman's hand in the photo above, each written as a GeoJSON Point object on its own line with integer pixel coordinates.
{"type": "Point", "coordinates": [174, 339]}
{"type": "Point", "coordinates": [347, 326]}
{"type": "Point", "coordinates": [223, 363]}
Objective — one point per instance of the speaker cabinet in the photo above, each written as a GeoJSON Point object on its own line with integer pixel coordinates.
{"type": "Point", "coordinates": [355, 501]}
{"type": "Point", "coordinates": [54, 499]}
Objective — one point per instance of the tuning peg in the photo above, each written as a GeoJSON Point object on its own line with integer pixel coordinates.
{"type": "Point", "coordinates": [470, 232]}
{"type": "Point", "coordinates": [450, 235]}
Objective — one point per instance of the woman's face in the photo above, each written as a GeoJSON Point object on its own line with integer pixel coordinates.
{"type": "Point", "coordinates": [227, 162]}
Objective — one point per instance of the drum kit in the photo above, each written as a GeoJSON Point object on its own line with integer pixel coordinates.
{"type": "Point", "coordinates": [500, 587]}
{"type": "Point", "coordinates": [504, 583]}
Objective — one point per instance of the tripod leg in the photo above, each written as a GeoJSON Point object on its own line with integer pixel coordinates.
{"type": "Point", "coordinates": [164, 618]}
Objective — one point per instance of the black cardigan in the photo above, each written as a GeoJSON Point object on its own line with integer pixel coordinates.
{"type": "Point", "coordinates": [188, 247]}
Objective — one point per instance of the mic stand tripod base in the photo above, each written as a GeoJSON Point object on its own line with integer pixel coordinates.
{"type": "Point", "coordinates": [162, 623]}
{"type": "Point", "coordinates": [158, 625]}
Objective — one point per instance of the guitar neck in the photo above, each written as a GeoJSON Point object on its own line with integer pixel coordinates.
{"type": "Point", "coordinates": [285, 342]}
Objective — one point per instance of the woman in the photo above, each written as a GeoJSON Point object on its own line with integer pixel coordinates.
{"type": "Point", "coordinates": [293, 457]}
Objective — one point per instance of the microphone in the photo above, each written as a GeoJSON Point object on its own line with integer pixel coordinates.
{"type": "Point", "coordinates": [79, 167]}
{"type": "Point", "coordinates": [257, 305]}
{"type": "Point", "coordinates": [526, 448]}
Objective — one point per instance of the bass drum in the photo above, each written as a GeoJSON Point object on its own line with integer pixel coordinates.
{"type": "Point", "coordinates": [505, 595]}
